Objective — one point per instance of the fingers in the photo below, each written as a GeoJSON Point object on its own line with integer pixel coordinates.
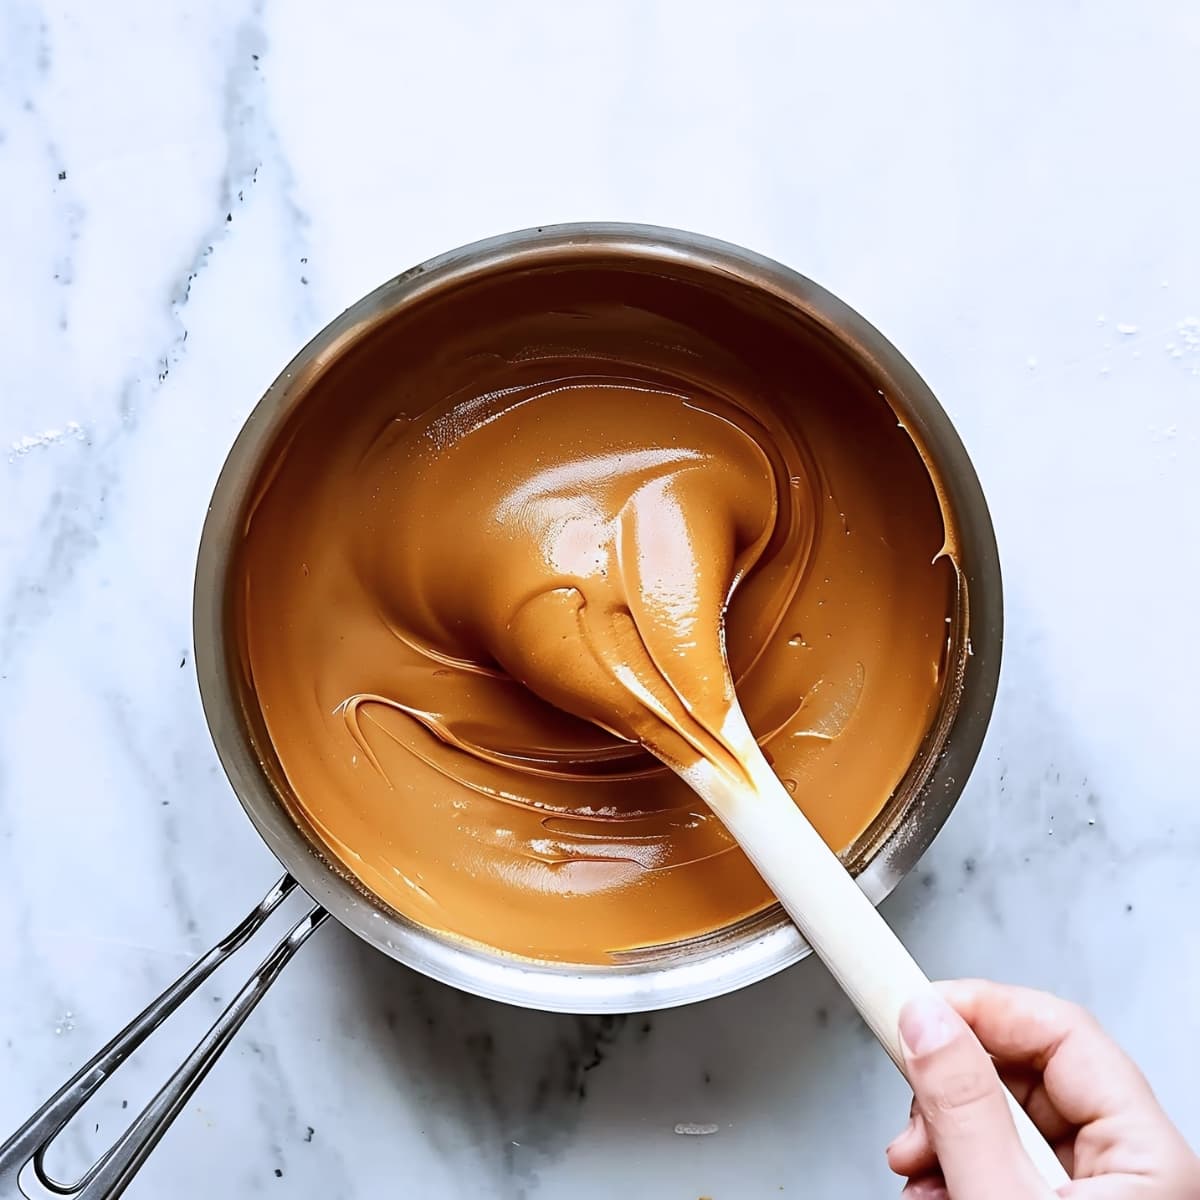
{"type": "Point", "coordinates": [1033, 1098]}
{"type": "Point", "coordinates": [963, 1106]}
{"type": "Point", "coordinates": [1087, 1076]}
{"type": "Point", "coordinates": [1079, 1088]}
{"type": "Point", "coordinates": [931, 1187]}
{"type": "Point", "coordinates": [911, 1152]}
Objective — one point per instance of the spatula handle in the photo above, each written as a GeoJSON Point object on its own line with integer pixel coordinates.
{"type": "Point", "coordinates": [869, 962]}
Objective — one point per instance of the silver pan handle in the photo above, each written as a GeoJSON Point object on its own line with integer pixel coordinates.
{"type": "Point", "coordinates": [23, 1173]}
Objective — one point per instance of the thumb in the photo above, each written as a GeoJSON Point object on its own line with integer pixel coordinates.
{"type": "Point", "coordinates": [962, 1102]}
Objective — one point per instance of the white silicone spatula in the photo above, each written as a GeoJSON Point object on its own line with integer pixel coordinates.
{"type": "Point", "coordinates": [867, 959]}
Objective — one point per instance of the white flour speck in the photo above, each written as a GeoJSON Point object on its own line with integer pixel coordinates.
{"type": "Point", "coordinates": [1127, 329]}
{"type": "Point", "coordinates": [1188, 333]}
{"type": "Point", "coordinates": [48, 437]}
{"type": "Point", "coordinates": [691, 1129]}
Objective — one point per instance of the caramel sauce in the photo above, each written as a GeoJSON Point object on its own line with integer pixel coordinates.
{"type": "Point", "coordinates": [529, 532]}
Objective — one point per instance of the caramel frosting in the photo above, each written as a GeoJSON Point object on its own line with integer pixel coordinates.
{"type": "Point", "coordinates": [523, 546]}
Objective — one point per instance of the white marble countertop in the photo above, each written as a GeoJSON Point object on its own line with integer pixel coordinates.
{"type": "Point", "coordinates": [188, 192]}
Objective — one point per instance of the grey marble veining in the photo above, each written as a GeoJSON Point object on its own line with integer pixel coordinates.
{"type": "Point", "coordinates": [189, 194]}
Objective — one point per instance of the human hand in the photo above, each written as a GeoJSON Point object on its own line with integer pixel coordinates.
{"type": "Point", "coordinates": [1085, 1095]}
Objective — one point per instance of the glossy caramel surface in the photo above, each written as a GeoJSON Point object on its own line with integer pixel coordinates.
{"type": "Point", "coordinates": [517, 536]}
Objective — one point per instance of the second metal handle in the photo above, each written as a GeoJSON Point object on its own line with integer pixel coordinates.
{"type": "Point", "coordinates": [23, 1174]}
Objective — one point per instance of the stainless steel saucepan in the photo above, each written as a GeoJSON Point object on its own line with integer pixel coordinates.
{"type": "Point", "coordinates": [660, 977]}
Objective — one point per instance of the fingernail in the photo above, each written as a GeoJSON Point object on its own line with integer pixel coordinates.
{"type": "Point", "coordinates": [927, 1024]}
